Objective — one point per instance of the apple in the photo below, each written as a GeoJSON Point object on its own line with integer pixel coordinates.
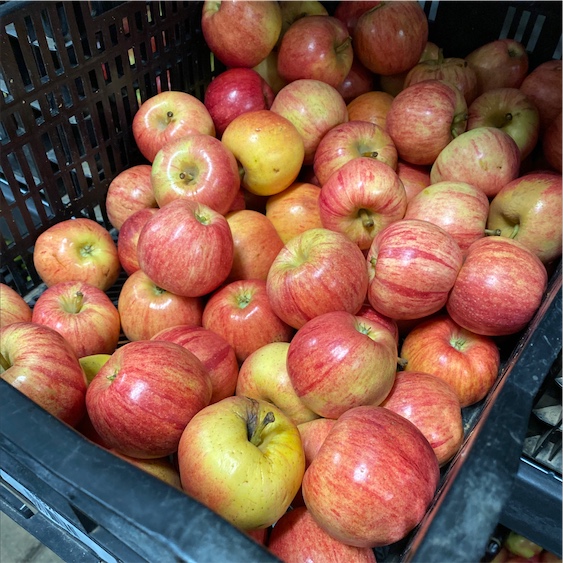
{"type": "Point", "coordinates": [371, 106]}
{"type": "Point", "coordinates": [502, 63]}
{"type": "Point", "coordinates": [41, 364]}
{"type": "Point", "coordinates": [373, 478]}
{"type": "Point", "coordinates": [543, 87]}
{"type": "Point", "coordinates": [294, 210]}
{"type": "Point", "coordinates": [414, 177]}
{"type": "Point", "coordinates": [412, 266]}
{"type": "Point", "coordinates": [140, 383]}
{"type": "Point", "coordinates": [293, 10]}
{"type": "Point", "coordinates": [215, 353]}
{"type": "Point", "coordinates": [269, 149]}
{"type": "Point", "coordinates": [318, 48]}
{"type": "Point", "coordinates": [358, 81]}
{"type": "Point", "coordinates": [196, 167]}
{"type": "Point", "coordinates": [371, 314]}
{"type": "Point", "coordinates": [457, 207]}
{"type": "Point", "coordinates": [509, 110]}
{"type": "Point", "coordinates": [314, 107]}
{"type": "Point", "coordinates": [77, 250]}
{"type": "Point", "coordinates": [128, 237]}
{"type": "Point", "coordinates": [167, 116]}
{"type": "Point", "coordinates": [256, 243]}
{"type": "Point", "coordinates": [265, 461]}
{"type": "Point", "coordinates": [518, 544]}
{"type": "Point", "coordinates": [424, 118]}
{"type": "Point", "coordinates": [240, 33]}
{"type": "Point", "coordinates": [186, 248]}
{"type": "Point", "coordinates": [242, 314]}
{"type": "Point", "coordinates": [551, 144]}
{"type": "Point", "coordinates": [350, 140]}
{"type": "Point", "coordinates": [92, 364]}
{"type": "Point", "coordinates": [268, 70]}
{"type": "Point", "coordinates": [350, 11]}
{"type": "Point", "coordinates": [361, 198]}
{"type": "Point", "coordinates": [263, 375]}
{"type": "Point", "coordinates": [317, 272]}
{"type": "Point", "coordinates": [161, 468]}
{"type": "Point", "coordinates": [528, 210]}
{"type": "Point", "coordinates": [490, 296]}
{"type": "Point", "coordinates": [390, 37]}
{"type": "Point", "coordinates": [486, 157]}
{"type": "Point", "coordinates": [128, 192]}
{"type": "Point", "coordinates": [296, 537]}
{"type": "Point", "coordinates": [145, 308]}
{"type": "Point", "coordinates": [432, 405]}
{"type": "Point", "coordinates": [13, 306]}
{"type": "Point", "coordinates": [338, 361]}
{"type": "Point", "coordinates": [235, 91]}
{"type": "Point", "coordinates": [83, 314]}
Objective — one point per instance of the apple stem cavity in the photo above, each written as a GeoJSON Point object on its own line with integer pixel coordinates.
{"type": "Point", "coordinates": [4, 363]}
{"type": "Point", "coordinates": [343, 46]}
{"type": "Point", "coordinates": [366, 217]}
{"type": "Point", "coordinates": [492, 232]}
{"type": "Point", "coordinates": [254, 427]}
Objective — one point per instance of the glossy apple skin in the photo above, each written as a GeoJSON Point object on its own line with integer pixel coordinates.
{"type": "Point", "coordinates": [317, 47]}
{"type": "Point", "coordinates": [528, 210]}
{"type": "Point", "coordinates": [256, 244]}
{"type": "Point", "coordinates": [361, 198]}
{"type": "Point", "coordinates": [338, 361]}
{"type": "Point", "coordinates": [263, 375]}
{"type": "Point", "coordinates": [314, 107]}
{"type": "Point", "coordinates": [146, 308]}
{"type": "Point", "coordinates": [371, 106]}
{"type": "Point", "coordinates": [43, 366]}
{"type": "Point", "coordinates": [215, 353]}
{"type": "Point", "coordinates": [292, 10]}
{"type": "Point", "coordinates": [414, 177]}
{"type": "Point", "coordinates": [141, 381]}
{"type": "Point", "coordinates": [83, 314]}
{"type": "Point", "coordinates": [372, 479]}
{"type": "Point", "coordinates": [128, 237]}
{"type": "Point", "coordinates": [349, 12]}
{"type": "Point", "coordinates": [358, 81]}
{"type": "Point", "coordinates": [294, 210]}
{"type": "Point", "coordinates": [242, 314]}
{"type": "Point", "coordinates": [317, 272]}
{"type": "Point", "coordinates": [196, 167]}
{"type": "Point", "coordinates": [390, 37]}
{"type": "Point", "coordinates": [186, 248]}
{"type": "Point", "coordinates": [506, 303]}
{"type": "Point", "coordinates": [432, 405]}
{"type": "Point", "coordinates": [167, 116]}
{"type": "Point", "coordinates": [128, 192]}
{"type": "Point", "coordinates": [467, 361]}
{"type": "Point", "coordinates": [486, 158]}
{"type": "Point", "coordinates": [424, 118]}
{"type": "Point", "coordinates": [412, 266]}
{"type": "Point", "coordinates": [255, 488]}
{"type": "Point", "coordinates": [296, 537]}
{"type": "Point", "coordinates": [349, 140]}
{"type": "Point", "coordinates": [77, 250]}
{"type": "Point", "coordinates": [13, 306]}
{"type": "Point", "coordinates": [551, 144]}
{"type": "Point", "coordinates": [235, 91]}
{"type": "Point", "coordinates": [457, 207]}
{"type": "Point", "coordinates": [239, 33]}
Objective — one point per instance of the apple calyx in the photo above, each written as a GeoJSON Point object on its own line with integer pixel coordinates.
{"type": "Point", "coordinates": [202, 217]}
{"type": "Point", "coordinates": [254, 426]}
{"type": "Point", "coordinates": [458, 342]}
{"type": "Point", "coordinates": [366, 217]}
{"type": "Point", "coordinates": [4, 363]}
{"type": "Point", "coordinates": [86, 250]}
{"type": "Point", "coordinates": [111, 377]}
{"type": "Point", "coordinates": [243, 299]}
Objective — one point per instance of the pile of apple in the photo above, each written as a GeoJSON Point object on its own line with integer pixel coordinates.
{"type": "Point", "coordinates": [321, 258]}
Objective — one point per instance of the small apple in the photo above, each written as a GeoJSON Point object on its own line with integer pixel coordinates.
{"type": "Point", "coordinates": [358, 81]}
{"type": "Point", "coordinates": [92, 364]}
{"type": "Point", "coordinates": [13, 306]}
{"type": "Point", "coordinates": [371, 106]}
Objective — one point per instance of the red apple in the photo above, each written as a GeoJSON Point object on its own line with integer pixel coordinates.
{"type": "Point", "coordinates": [313, 434]}
{"type": "Point", "coordinates": [145, 308]}
{"type": "Point", "coordinates": [373, 478]}
{"type": "Point", "coordinates": [215, 353]}
{"type": "Point", "coordinates": [317, 272]}
{"type": "Point", "coordinates": [412, 266]}
{"type": "Point", "coordinates": [83, 314]}
{"type": "Point", "coordinates": [361, 198]}
{"type": "Point", "coordinates": [551, 144]}
{"type": "Point", "coordinates": [77, 250]}
{"type": "Point", "coordinates": [141, 382]}
{"type": "Point", "coordinates": [39, 362]}
{"type": "Point", "coordinates": [390, 37]}
{"type": "Point", "coordinates": [414, 177]}
{"type": "Point", "coordinates": [241, 313]}
{"type": "Point", "coordinates": [318, 48]}
{"type": "Point", "coordinates": [128, 192]}
{"type": "Point", "coordinates": [358, 81]}
{"type": "Point", "coordinates": [293, 10]}
{"type": "Point", "coordinates": [13, 306]}
{"type": "Point", "coordinates": [349, 12]}
{"type": "Point", "coordinates": [371, 106]}
{"type": "Point", "coordinates": [499, 287]}
{"type": "Point", "coordinates": [186, 248]}
{"type": "Point", "coordinates": [167, 116]}
{"type": "Point", "coordinates": [196, 167]}
{"type": "Point", "coordinates": [235, 91]}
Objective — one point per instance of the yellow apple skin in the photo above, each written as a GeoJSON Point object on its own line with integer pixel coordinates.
{"type": "Point", "coordinates": [263, 375]}
{"type": "Point", "coordinates": [91, 364]}
{"type": "Point", "coordinates": [269, 149]}
{"type": "Point", "coordinates": [249, 485]}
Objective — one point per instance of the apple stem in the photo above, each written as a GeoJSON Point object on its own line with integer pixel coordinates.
{"type": "Point", "coordinates": [112, 376]}
{"type": "Point", "coordinates": [370, 154]}
{"type": "Point", "coordinates": [515, 230]}
{"type": "Point", "coordinates": [184, 176]}
{"type": "Point", "coordinates": [367, 219]}
{"type": "Point", "coordinates": [508, 117]}
{"type": "Point", "coordinates": [4, 364]}
{"type": "Point", "coordinates": [344, 45]}
{"type": "Point", "coordinates": [459, 118]}
{"type": "Point", "coordinates": [169, 114]}
{"type": "Point", "coordinates": [492, 232]}
{"type": "Point", "coordinates": [254, 428]}
{"type": "Point", "coordinates": [76, 302]}
{"type": "Point", "coordinates": [402, 363]}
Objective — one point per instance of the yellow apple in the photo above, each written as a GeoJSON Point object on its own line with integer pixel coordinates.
{"type": "Point", "coordinates": [91, 364]}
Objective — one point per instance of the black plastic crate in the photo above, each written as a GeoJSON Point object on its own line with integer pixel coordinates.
{"type": "Point", "coordinates": [72, 76]}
